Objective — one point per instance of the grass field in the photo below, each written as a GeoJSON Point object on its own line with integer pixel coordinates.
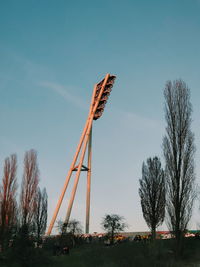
{"type": "Point", "coordinates": [131, 254]}
{"type": "Point", "coordinates": [128, 254]}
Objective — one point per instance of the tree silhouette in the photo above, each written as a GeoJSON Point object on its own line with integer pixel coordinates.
{"type": "Point", "coordinates": [40, 215]}
{"type": "Point", "coordinates": [179, 148]}
{"type": "Point", "coordinates": [8, 204]}
{"type": "Point", "coordinates": [113, 224]}
{"type": "Point", "coordinates": [152, 194]}
{"type": "Point", "coordinates": [28, 197]}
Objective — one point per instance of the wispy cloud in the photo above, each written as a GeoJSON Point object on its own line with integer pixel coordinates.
{"type": "Point", "coordinates": [138, 122]}
{"type": "Point", "coordinates": [62, 91]}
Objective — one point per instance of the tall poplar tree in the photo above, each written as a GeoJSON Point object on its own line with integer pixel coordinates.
{"type": "Point", "coordinates": [152, 194]}
{"type": "Point", "coordinates": [28, 197]}
{"type": "Point", "coordinates": [179, 149]}
{"type": "Point", "coordinates": [8, 204]}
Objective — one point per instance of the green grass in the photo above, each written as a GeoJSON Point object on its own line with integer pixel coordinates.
{"type": "Point", "coordinates": [141, 254]}
{"type": "Point", "coordinates": [158, 254]}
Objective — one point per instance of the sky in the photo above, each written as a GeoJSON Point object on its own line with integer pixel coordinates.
{"type": "Point", "coordinates": [52, 52]}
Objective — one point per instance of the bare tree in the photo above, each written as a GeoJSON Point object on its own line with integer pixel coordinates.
{"type": "Point", "coordinates": [113, 224]}
{"type": "Point", "coordinates": [152, 194]}
{"type": "Point", "coordinates": [179, 148]}
{"type": "Point", "coordinates": [41, 212]}
{"type": "Point", "coordinates": [69, 231]}
{"type": "Point", "coordinates": [73, 227]}
{"type": "Point", "coordinates": [29, 188]}
{"type": "Point", "coordinates": [8, 204]}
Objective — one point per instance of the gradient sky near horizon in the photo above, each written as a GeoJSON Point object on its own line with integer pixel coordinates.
{"type": "Point", "coordinates": [52, 52]}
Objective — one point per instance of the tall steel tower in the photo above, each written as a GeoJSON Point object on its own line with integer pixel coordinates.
{"type": "Point", "coordinates": [100, 96]}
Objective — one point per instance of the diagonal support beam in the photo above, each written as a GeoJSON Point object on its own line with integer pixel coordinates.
{"type": "Point", "coordinates": [99, 93]}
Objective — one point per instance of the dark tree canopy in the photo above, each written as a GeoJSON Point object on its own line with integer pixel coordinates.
{"type": "Point", "coordinates": [73, 227]}
{"type": "Point", "coordinates": [179, 148]}
{"type": "Point", "coordinates": [69, 231]}
{"type": "Point", "coordinates": [152, 193]}
{"type": "Point", "coordinates": [113, 224]}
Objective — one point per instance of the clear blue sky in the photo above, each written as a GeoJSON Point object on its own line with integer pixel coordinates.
{"type": "Point", "coordinates": [51, 55]}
